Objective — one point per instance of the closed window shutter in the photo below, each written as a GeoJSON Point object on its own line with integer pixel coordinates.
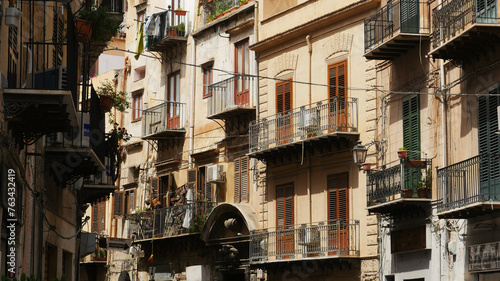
{"type": "Point", "coordinates": [337, 75]}
{"type": "Point", "coordinates": [488, 140]}
{"type": "Point", "coordinates": [237, 180]}
{"type": "Point", "coordinates": [284, 205]}
{"type": "Point", "coordinates": [244, 178]}
{"type": "Point", "coordinates": [95, 215]}
{"type": "Point", "coordinates": [118, 206]}
{"type": "Point", "coordinates": [101, 217]}
{"type": "Point", "coordinates": [338, 197]}
{"type": "Point", "coordinates": [411, 126]}
{"type": "Point", "coordinates": [284, 96]}
{"type": "Point", "coordinates": [192, 177]}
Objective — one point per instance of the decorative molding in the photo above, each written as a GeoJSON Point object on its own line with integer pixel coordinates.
{"type": "Point", "coordinates": [340, 42]}
{"type": "Point", "coordinates": [285, 62]}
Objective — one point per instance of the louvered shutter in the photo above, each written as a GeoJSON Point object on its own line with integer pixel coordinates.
{"type": "Point", "coordinates": [237, 180]}
{"type": "Point", "coordinates": [244, 178]}
{"type": "Point", "coordinates": [337, 75]}
{"type": "Point", "coordinates": [410, 16]}
{"type": "Point", "coordinates": [101, 217]}
{"type": "Point", "coordinates": [284, 205]}
{"type": "Point", "coordinates": [191, 181]}
{"type": "Point", "coordinates": [287, 96]}
{"type": "Point", "coordinates": [338, 197]}
{"type": "Point", "coordinates": [279, 98]}
{"type": "Point", "coordinates": [95, 216]}
{"type": "Point", "coordinates": [489, 168]}
{"type": "Point", "coordinates": [131, 201]}
{"type": "Point", "coordinates": [208, 191]}
{"type": "Point", "coordinates": [411, 126]}
{"type": "Point", "coordinates": [118, 206]}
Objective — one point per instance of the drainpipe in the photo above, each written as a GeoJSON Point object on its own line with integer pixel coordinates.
{"type": "Point", "coordinates": [191, 109]}
{"type": "Point", "coordinates": [309, 180]}
{"type": "Point", "coordinates": [256, 82]}
{"type": "Point", "coordinates": [309, 46]}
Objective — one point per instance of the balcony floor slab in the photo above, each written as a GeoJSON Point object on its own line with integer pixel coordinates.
{"type": "Point", "coordinates": [471, 210]}
{"type": "Point", "coordinates": [395, 46]}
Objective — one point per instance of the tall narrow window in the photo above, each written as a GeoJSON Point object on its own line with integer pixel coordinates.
{"type": "Point", "coordinates": [489, 168]}
{"type": "Point", "coordinates": [337, 96]}
{"type": "Point", "coordinates": [242, 83]}
{"type": "Point", "coordinates": [241, 171]}
{"type": "Point", "coordinates": [285, 219]}
{"type": "Point", "coordinates": [411, 137]}
{"type": "Point", "coordinates": [207, 80]}
{"type": "Point", "coordinates": [338, 213]}
{"type": "Point", "coordinates": [129, 201]}
{"type": "Point", "coordinates": [283, 106]}
{"type": "Point", "coordinates": [137, 106]}
{"type": "Point", "coordinates": [173, 97]}
{"type": "Point", "coordinates": [98, 217]}
{"type": "Point", "coordinates": [118, 203]}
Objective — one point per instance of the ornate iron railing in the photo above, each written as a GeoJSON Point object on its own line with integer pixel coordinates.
{"type": "Point", "coordinates": [453, 17]}
{"type": "Point", "coordinates": [170, 221]}
{"type": "Point", "coordinates": [403, 180]}
{"type": "Point", "coordinates": [403, 16]}
{"type": "Point", "coordinates": [332, 116]}
{"type": "Point", "coordinates": [212, 9]}
{"type": "Point", "coordinates": [166, 24]}
{"type": "Point", "coordinates": [230, 93]}
{"type": "Point", "coordinates": [474, 180]}
{"type": "Point", "coordinates": [334, 238]}
{"type": "Point", "coordinates": [166, 116]}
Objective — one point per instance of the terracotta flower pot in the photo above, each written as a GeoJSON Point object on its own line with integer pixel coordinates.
{"type": "Point", "coordinates": [105, 102]}
{"type": "Point", "coordinates": [83, 30]}
{"type": "Point", "coordinates": [367, 166]}
{"type": "Point", "coordinates": [407, 193]}
{"type": "Point", "coordinates": [402, 153]}
{"type": "Point", "coordinates": [180, 12]}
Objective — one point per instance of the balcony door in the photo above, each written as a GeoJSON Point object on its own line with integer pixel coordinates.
{"type": "Point", "coordinates": [284, 121]}
{"type": "Point", "coordinates": [173, 97]}
{"type": "Point", "coordinates": [337, 95]}
{"type": "Point", "coordinates": [285, 238]}
{"type": "Point", "coordinates": [410, 16]}
{"type": "Point", "coordinates": [486, 11]}
{"type": "Point", "coordinates": [338, 214]}
{"type": "Point", "coordinates": [242, 83]}
{"type": "Point", "coordinates": [489, 167]}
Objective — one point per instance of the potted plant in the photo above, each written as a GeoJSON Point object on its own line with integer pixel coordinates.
{"type": "Point", "coordinates": [180, 12]}
{"type": "Point", "coordinates": [366, 166]}
{"type": "Point", "coordinates": [172, 30]}
{"type": "Point", "coordinates": [181, 29]}
{"type": "Point", "coordinates": [104, 25]}
{"type": "Point", "coordinates": [424, 190]}
{"type": "Point", "coordinates": [107, 94]}
{"type": "Point", "coordinates": [407, 193]}
{"type": "Point", "coordinates": [83, 30]}
{"type": "Point", "coordinates": [402, 153]}
{"type": "Point", "coordinates": [415, 164]}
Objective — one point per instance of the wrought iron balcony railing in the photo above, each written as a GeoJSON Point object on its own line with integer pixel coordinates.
{"type": "Point", "coordinates": [113, 6]}
{"type": "Point", "coordinates": [453, 17]}
{"type": "Point", "coordinates": [409, 179]}
{"type": "Point", "coordinates": [334, 116]}
{"type": "Point", "coordinates": [229, 94]}
{"type": "Point", "coordinates": [164, 25]}
{"type": "Point", "coordinates": [170, 221]}
{"type": "Point", "coordinates": [402, 16]}
{"type": "Point", "coordinates": [164, 117]}
{"type": "Point", "coordinates": [211, 10]}
{"type": "Point", "coordinates": [475, 180]}
{"type": "Point", "coordinates": [336, 238]}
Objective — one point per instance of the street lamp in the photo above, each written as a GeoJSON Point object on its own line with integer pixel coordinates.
{"type": "Point", "coordinates": [359, 154]}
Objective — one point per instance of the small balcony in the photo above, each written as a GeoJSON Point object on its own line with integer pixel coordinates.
{"type": "Point", "coordinates": [164, 120]}
{"type": "Point", "coordinates": [464, 30]}
{"type": "Point", "coordinates": [469, 188]}
{"type": "Point", "coordinates": [230, 98]}
{"type": "Point", "coordinates": [331, 239]}
{"type": "Point", "coordinates": [166, 30]}
{"type": "Point", "coordinates": [396, 28]}
{"type": "Point", "coordinates": [170, 221]}
{"type": "Point", "coordinates": [327, 123]}
{"type": "Point", "coordinates": [97, 186]}
{"type": "Point", "coordinates": [33, 113]}
{"type": "Point", "coordinates": [403, 188]}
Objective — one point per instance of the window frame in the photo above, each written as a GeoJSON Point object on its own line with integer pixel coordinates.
{"type": "Point", "coordinates": [137, 100]}
{"type": "Point", "coordinates": [207, 72]}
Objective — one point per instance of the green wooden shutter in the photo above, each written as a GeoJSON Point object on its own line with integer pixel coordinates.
{"type": "Point", "coordinates": [489, 144]}
{"type": "Point", "coordinates": [411, 138]}
{"type": "Point", "coordinates": [410, 18]}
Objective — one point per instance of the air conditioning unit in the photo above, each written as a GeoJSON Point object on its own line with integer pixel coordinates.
{"type": "Point", "coordinates": [308, 119]}
{"type": "Point", "coordinates": [214, 173]}
{"type": "Point", "coordinates": [79, 137]}
{"type": "Point", "coordinates": [309, 235]}
{"type": "Point", "coordinates": [52, 79]}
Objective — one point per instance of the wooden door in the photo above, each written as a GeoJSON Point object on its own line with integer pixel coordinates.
{"type": "Point", "coordinates": [285, 238]}
{"type": "Point", "coordinates": [242, 83]}
{"type": "Point", "coordinates": [337, 95]}
{"type": "Point", "coordinates": [173, 97]}
{"type": "Point", "coordinates": [338, 214]}
{"type": "Point", "coordinates": [284, 122]}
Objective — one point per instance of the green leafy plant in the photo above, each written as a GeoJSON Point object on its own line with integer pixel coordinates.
{"type": "Point", "coordinates": [120, 102]}
{"type": "Point", "coordinates": [402, 148]}
{"type": "Point", "coordinates": [104, 26]}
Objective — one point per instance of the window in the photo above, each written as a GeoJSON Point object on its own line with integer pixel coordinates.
{"type": "Point", "coordinates": [285, 219]}
{"type": "Point", "coordinates": [207, 80]}
{"type": "Point", "coordinates": [141, 17]}
{"type": "Point", "coordinates": [488, 141]}
{"type": "Point", "coordinates": [411, 126]}
{"type": "Point", "coordinates": [337, 95]}
{"type": "Point", "coordinates": [283, 105]}
{"type": "Point", "coordinates": [137, 106]}
{"type": "Point", "coordinates": [242, 83]}
{"type": "Point", "coordinates": [118, 203]}
{"type": "Point", "coordinates": [241, 179]}
{"type": "Point", "coordinates": [98, 217]}
{"type": "Point", "coordinates": [173, 96]}
{"type": "Point", "coordinates": [129, 201]}
{"type": "Point", "coordinates": [338, 213]}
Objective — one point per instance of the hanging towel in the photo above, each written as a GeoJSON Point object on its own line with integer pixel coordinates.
{"type": "Point", "coordinates": [140, 41]}
{"type": "Point", "coordinates": [189, 213]}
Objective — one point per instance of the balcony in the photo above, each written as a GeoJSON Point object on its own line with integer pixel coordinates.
{"type": "Point", "coordinates": [464, 30]}
{"type": "Point", "coordinates": [329, 123]}
{"type": "Point", "coordinates": [469, 188]}
{"type": "Point", "coordinates": [170, 221]}
{"type": "Point", "coordinates": [164, 120]}
{"type": "Point", "coordinates": [230, 98]}
{"type": "Point", "coordinates": [396, 28]}
{"type": "Point", "coordinates": [331, 239]}
{"type": "Point", "coordinates": [33, 113]}
{"type": "Point", "coordinates": [166, 30]}
{"type": "Point", "coordinates": [97, 186]}
{"type": "Point", "coordinates": [404, 188]}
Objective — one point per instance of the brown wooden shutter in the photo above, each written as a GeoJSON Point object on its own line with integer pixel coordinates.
{"type": "Point", "coordinates": [101, 223]}
{"type": "Point", "coordinates": [118, 204]}
{"type": "Point", "coordinates": [95, 214]}
{"type": "Point", "coordinates": [284, 96]}
{"type": "Point", "coordinates": [237, 180]}
{"type": "Point", "coordinates": [191, 180]}
{"type": "Point", "coordinates": [338, 197]}
{"type": "Point", "coordinates": [208, 191]}
{"type": "Point", "coordinates": [244, 178]}
{"type": "Point", "coordinates": [284, 205]}
{"type": "Point", "coordinates": [337, 76]}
